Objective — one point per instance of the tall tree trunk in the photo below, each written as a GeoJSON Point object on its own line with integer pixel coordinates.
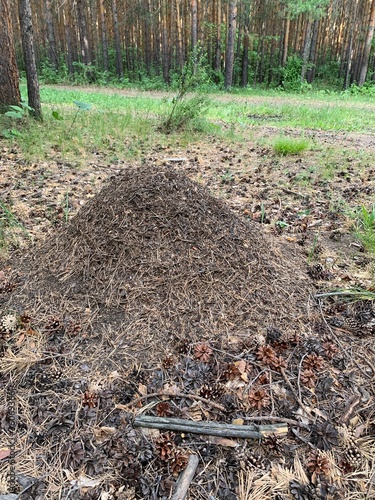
{"type": "Point", "coordinates": [245, 59]}
{"type": "Point", "coordinates": [83, 33]}
{"type": "Point", "coordinates": [52, 51]}
{"type": "Point", "coordinates": [180, 49]}
{"type": "Point", "coordinates": [229, 53]}
{"type": "Point", "coordinates": [367, 49]}
{"type": "Point", "coordinates": [165, 48]}
{"type": "Point", "coordinates": [29, 56]}
{"type": "Point", "coordinates": [349, 53]}
{"type": "Point", "coordinates": [9, 77]}
{"type": "Point", "coordinates": [103, 24]}
{"type": "Point", "coordinates": [119, 64]}
{"type": "Point", "coordinates": [218, 38]}
{"type": "Point", "coordinates": [66, 15]}
{"type": "Point", "coordinates": [311, 71]}
{"type": "Point", "coordinates": [286, 40]}
{"type": "Point", "coordinates": [306, 49]}
{"type": "Point", "coordinates": [194, 24]}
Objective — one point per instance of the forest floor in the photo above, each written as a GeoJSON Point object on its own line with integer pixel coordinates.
{"type": "Point", "coordinates": [210, 305]}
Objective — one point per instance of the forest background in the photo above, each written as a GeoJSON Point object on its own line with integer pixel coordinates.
{"type": "Point", "coordinates": [289, 44]}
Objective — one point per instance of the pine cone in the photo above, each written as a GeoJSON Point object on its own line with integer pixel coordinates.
{"type": "Point", "coordinates": [259, 399]}
{"type": "Point", "coordinates": [318, 463]}
{"type": "Point", "coordinates": [203, 352]}
{"type": "Point", "coordinates": [313, 362]}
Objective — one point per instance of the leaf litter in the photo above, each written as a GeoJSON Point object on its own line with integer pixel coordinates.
{"type": "Point", "coordinates": [156, 298]}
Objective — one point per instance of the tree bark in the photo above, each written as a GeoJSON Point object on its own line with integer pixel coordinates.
{"type": "Point", "coordinates": [286, 40]}
{"type": "Point", "coordinates": [306, 49]}
{"type": "Point", "coordinates": [29, 56]}
{"type": "Point", "coordinates": [367, 49]}
{"type": "Point", "coordinates": [229, 53]}
{"type": "Point", "coordinates": [9, 77]}
{"type": "Point", "coordinates": [103, 25]}
{"type": "Point", "coordinates": [119, 64]}
{"type": "Point", "coordinates": [218, 38]}
{"type": "Point", "coordinates": [53, 57]}
{"type": "Point", "coordinates": [245, 59]}
{"type": "Point", "coordinates": [83, 33]}
{"type": "Point", "coordinates": [313, 48]}
{"type": "Point", "coordinates": [194, 24]}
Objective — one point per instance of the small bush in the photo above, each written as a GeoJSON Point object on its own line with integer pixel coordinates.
{"type": "Point", "coordinates": [288, 146]}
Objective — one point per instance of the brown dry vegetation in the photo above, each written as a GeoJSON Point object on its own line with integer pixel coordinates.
{"type": "Point", "coordinates": [176, 279]}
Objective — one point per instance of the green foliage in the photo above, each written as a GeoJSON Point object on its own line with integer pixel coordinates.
{"type": "Point", "coordinates": [183, 110]}
{"type": "Point", "coordinates": [365, 230]}
{"type": "Point", "coordinates": [314, 8]}
{"type": "Point", "coordinates": [289, 146]}
{"type": "Point", "coordinates": [368, 89]}
{"type": "Point", "coordinates": [56, 115]}
{"type": "Point", "coordinates": [16, 114]}
{"type": "Point", "coordinates": [49, 75]}
{"type": "Point", "coordinates": [291, 75]}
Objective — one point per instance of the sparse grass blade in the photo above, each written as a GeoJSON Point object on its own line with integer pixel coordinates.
{"type": "Point", "coordinates": [366, 228]}
{"type": "Point", "coordinates": [9, 226]}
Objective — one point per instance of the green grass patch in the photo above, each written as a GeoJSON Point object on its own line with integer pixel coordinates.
{"type": "Point", "coordinates": [365, 230]}
{"type": "Point", "coordinates": [284, 146]}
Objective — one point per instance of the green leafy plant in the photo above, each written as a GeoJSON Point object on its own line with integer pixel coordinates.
{"type": "Point", "coordinates": [16, 113]}
{"type": "Point", "coordinates": [289, 146]}
{"type": "Point", "coordinates": [19, 112]}
{"type": "Point", "coordinates": [81, 106]}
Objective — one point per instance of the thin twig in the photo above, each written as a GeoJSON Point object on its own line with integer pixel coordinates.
{"type": "Point", "coordinates": [171, 395]}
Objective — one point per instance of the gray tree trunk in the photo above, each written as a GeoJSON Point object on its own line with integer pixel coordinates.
{"type": "Point", "coordinates": [9, 77]}
{"type": "Point", "coordinates": [29, 56]}
{"type": "Point", "coordinates": [229, 53]}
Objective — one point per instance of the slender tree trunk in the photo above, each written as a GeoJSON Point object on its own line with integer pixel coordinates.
{"type": "Point", "coordinates": [229, 53]}
{"type": "Point", "coordinates": [29, 56]}
{"type": "Point", "coordinates": [194, 24]}
{"type": "Point", "coordinates": [9, 77]}
{"type": "Point", "coordinates": [52, 50]}
{"type": "Point", "coordinates": [103, 24]}
{"type": "Point", "coordinates": [349, 50]}
{"type": "Point", "coordinates": [119, 64]}
{"type": "Point", "coordinates": [83, 33]}
{"type": "Point", "coordinates": [367, 49]}
{"type": "Point", "coordinates": [165, 50]}
{"type": "Point", "coordinates": [218, 38]}
{"type": "Point", "coordinates": [286, 40]}
{"type": "Point", "coordinates": [245, 59]}
{"type": "Point", "coordinates": [68, 37]}
{"type": "Point", "coordinates": [180, 50]}
{"type": "Point", "coordinates": [306, 50]}
{"type": "Point", "coordinates": [311, 71]}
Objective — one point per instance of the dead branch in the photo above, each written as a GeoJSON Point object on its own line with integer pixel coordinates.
{"type": "Point", "coordinates": [186, 478]}
{"type": "Point", "coordinates": [211, 428]}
